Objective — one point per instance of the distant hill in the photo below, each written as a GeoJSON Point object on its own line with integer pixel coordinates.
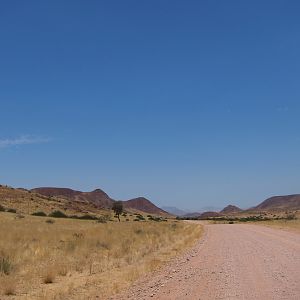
{"type": "Point", "coordinates": [192, 215]}
{"type": "Point", "coordinates": [279, 203]}
{"type": "Point", "coordinates": [209, 214]}
{"type": "Point", "coordinates": [145, 205]}
{"type": "Point", "coordinates": [97, 197]}
{"type": "Point", "coordinates": [100, 199]}
{"type": "Point", "coordinates": [174, 210]}
{"type": "Point", "coordinates": [231, 209]}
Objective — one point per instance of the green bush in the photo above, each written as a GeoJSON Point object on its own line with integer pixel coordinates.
{"type": "Point", "coordinates": [12, 210]}
{"type": "Point", "coordinates": [2, 208]}
{"type": "Point", "coordinates": [58, 214]}
{"type": "Point", "coordinates": [39, 214]}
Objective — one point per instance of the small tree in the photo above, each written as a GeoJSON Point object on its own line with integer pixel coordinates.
{"type": "Point", "coordinates": [118, 208]}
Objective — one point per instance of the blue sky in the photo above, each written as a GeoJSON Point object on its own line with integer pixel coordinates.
{"type": "Point", "coordinates": [189, 103]}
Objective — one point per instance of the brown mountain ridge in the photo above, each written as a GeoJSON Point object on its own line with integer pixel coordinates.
{"type": "Point", "coordinates": [100, 199]}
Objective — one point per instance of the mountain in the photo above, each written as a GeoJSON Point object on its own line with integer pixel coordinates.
{"type": "Point", "coordinates": [192, 215]}
{"type": "Point", "coordinates": [209, 214]}
{"type": "Point", "coordinates": [97, 197]}
{"type": "Point", "coordinates": [145, 205]}
{"type": "Point", "coordinates": [174, 210]}
{"type": "Point", "coordinates": [100, 199]}
{"type": "Point", "coordinates": [279, 203]}
{"type": "Point", "coordinates": [231, 209]}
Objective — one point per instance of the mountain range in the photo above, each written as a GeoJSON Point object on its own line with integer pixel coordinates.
{"type": "Point", "coordinates": [50, 198]}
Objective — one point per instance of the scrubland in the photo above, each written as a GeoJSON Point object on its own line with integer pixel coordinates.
{"type": "Point", "coordinates": [80, 259]}
{"type": "Point", "coordinates": [293, 225]}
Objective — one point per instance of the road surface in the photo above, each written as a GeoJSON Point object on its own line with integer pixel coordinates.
{"type": "Point", "coordinates": [232, 261]}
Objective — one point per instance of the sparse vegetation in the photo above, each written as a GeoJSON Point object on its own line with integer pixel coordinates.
{"type": "Point", "coordinates": [58, 214]}
{"type": "Point", "coordinates": [112, 254]}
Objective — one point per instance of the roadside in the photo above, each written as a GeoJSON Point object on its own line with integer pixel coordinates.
{"type": "Point", "coordinates": [232, 261]}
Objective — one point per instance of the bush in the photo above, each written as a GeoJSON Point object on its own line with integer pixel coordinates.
{"type": "Point", "coordinates": [291, 217]}
{"type": "Point", "coordinates": [140, 217]}
{"type": "Point", "coordinates": [6, 265]}
{"type": "Point", "coordinates": [102, 220]}
{"type": "Point", "coordinates": [2, 208]}
{"type": "Point", "coordinates": [87, 217]}
{"type": "Point", "coordinates": [12, 210]}
{"type": "Point", "coordinates": [58, 214]}
{"type": "Point", "coordinates": [39, 214]}
{"type": "Point", "coordinates": [50, 221]}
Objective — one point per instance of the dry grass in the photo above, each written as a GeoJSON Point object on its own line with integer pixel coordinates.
{"type": "Point", "coordinates": [84, 257]}
{"type": "Point", "coordinates": [293, 225]}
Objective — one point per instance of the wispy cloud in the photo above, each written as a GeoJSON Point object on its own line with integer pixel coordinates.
{"type": "Point", "coordinates": [23, 140]}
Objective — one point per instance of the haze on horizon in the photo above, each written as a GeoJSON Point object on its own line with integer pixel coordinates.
{"type": "Point", "coordinates": [188, 103]}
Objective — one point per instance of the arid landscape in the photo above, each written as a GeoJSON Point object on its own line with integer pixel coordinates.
{"type": "Point", "coordinates": [149, 150]}
{"type": "Point", "coordinates": [55, 245]}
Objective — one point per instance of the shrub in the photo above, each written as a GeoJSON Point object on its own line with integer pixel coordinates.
{"type": "Point", "coordinates": [87, 217]}
{"type": "Point", "coordinates": [2, 208]}
{"type": "Point", "coordinates": [39, 213]}
{"type": "Point", "coordinates": [50, 221]}
{"type": "Point", "coordinates": [12, 210]}
{"type": "Point", "coordinates": [58, 214]}
{"type": "Point", "coordinates": [140, 217]}
{"type": "Point", "coordinates": [102, 219]}
{"type": "Point", "coordinates": [291, 217]}
{"type": "Point", "coordinates": [6, 265]}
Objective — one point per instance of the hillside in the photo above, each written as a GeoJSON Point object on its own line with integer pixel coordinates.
{"type": "Point", "coordinates": [97, 197]}
{"type": "Point", "coordinates": [100, 199]}
{"type": "Point", "coordinates": [279, 203]}
{"type": "Point", "coordinates": [231, 209]}
{"type": "Point", "coordinates": [70, 201]}
{"type": "Point", "coordinates": [143, 204]}
{"type": "Point", "coordinates": [209, 214]}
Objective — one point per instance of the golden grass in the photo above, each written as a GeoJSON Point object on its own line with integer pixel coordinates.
{"type": "Point", "coordinates": [293, 225]}
{"type": "Point", "coordinates": [78, 258]}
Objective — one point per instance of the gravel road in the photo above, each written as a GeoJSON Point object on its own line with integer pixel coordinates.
{"type": "Point", "coordinates": [231, 261]}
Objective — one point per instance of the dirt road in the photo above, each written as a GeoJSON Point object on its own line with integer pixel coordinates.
{"type": "Point", "coordinates": [238, 261]}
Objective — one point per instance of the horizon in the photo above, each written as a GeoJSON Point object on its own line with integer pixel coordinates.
{"type": "Point", "coordinates": [186, 104]}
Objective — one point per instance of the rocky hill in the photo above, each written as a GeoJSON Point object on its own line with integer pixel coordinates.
{"type": "Point", "coordinates": [279, 203]}
{"type": "Point", "coordinates": [145, 205]}
{"type": "Point", "coordinates": [97, 197]}
{"type": "Point", "coordinates": [209, 214]}
{"type": "Point", "coordinates": [230, 209]}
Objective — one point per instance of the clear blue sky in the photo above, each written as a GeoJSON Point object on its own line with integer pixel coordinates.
{"type": "Point", "coordinates": [189, 103]}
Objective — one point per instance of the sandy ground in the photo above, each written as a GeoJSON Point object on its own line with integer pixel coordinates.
{"type": "Point", "coordinates": [231, 261]}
